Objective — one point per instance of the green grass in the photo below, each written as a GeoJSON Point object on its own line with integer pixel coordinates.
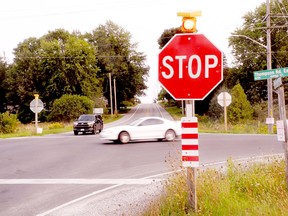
{"type": "Point", "coordinates": [257, 189]}
{"type": "Point", "coordinates": [51, 128]}
{"type": "Point", "coordinates": [206, 125]}
{"type": "Point", "coordinates": [253, 189]}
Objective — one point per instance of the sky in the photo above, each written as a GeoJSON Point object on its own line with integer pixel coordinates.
{"type": "Point", "coordinates": [144, 19]}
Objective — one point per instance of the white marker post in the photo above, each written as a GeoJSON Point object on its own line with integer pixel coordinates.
{"type": "Point", "coordinates": [224, 99]}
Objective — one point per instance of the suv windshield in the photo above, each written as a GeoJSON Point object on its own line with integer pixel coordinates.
{"type": "Point", "coordinates": [86, 118]}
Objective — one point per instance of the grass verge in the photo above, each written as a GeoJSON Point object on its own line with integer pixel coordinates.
{"type": "Point", "coordinates": [206, 125]}
{"type": "Point", "coordinates": [51, 128]}
{"type": "Point", "coordinates": [257, 189]}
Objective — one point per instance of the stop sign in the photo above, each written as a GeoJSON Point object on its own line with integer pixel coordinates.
{"type": "Point", "coordinates": [190, 66]}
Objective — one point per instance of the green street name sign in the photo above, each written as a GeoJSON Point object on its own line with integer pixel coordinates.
{"type": "Point", "coordinates": [273, 73]}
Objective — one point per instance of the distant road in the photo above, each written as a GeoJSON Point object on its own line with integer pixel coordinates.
{"type": "Point", "coordinates": [64, 174]}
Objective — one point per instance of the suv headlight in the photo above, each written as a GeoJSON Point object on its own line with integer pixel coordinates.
{"type": "Point", "coordinates": [90, 124]}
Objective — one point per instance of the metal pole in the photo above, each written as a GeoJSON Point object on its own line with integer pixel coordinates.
{"type": "Point", "coordinates": [111, 101]}
{"type": "Point", "coordinates": [191, 171]}
{"type": "Point", "coordinates": [225, 111]}
{"type": "Point", "coordinates": [115, 98]}
{"type": "Point", "coordinates": [269, 67]}
{"type": "Point", "coordinates": [36, 114]}
{"type": "Point", "coordinates": [282, 112]}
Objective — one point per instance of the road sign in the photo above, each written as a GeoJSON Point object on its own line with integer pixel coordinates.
{"type": "Point", "coordinates": [37, 108]}
{"type": "Point", "coordinates": [98, 110]}
{"type": "Point", "coordinates": [190, 66]}
{"type": "Point", "coordinates": [224, 99]}
{"type": "Point", "coordinates": [190, 145]}
{"type": "Point", "coordinates": [277, 82]}
{"type": "Point", "coordinates": [273, 73]}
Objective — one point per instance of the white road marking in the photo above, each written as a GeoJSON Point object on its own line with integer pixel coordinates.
{"type": "Point", "coordinates": [142, 181]}
{"type": "Point", "coordinates": [77, 200]}
{"type": "Point", "coordinates": [100, 191]}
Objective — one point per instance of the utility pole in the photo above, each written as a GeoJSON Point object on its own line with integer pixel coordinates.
{"type": "Point", "coordinates": [270, 119]}
{"type": "Point", "coordinates": [111, 100]}
{"type": "Point", "coordinates": [115, 97]}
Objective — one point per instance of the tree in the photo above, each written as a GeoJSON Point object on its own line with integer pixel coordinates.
{"type": "Point", "coordinates": [118, 56]}
{"type": "Point", "coordinates": [3, 71]}
{"type": "Point", "coordinates": [250, 57]}
{"type": "Point", "coordinates": [56, 64]}
{"type": "Point", "coordinates": [240, 109]}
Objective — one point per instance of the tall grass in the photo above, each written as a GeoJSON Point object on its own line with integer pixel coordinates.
{"type": "Point", "coordinates": [207, 125]}
{"type": "Point", "coordinates": [255, 189]}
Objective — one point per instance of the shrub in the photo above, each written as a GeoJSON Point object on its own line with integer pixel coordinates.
{"type": "Point", "coordinates": [240, 108]}
{"type": "Point", "coordinates": [69, 107]}
{"type": "Point", "coordinates": [126, 104]}
{"type": "Point", "coordinates": [56, 125]}
{"type": "Point", "coordinates": [8, 123]}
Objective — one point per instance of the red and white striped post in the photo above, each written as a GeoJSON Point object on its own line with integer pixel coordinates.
{"type": "Point", "coordinates": [189, 140]}
{"type": "Point", "coordinates": [190, 151]}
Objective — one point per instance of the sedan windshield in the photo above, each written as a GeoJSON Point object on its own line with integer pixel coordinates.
{"type": "Point", "coordinates": [134, 123]}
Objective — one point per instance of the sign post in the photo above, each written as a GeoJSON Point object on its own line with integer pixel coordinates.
{"type": "Point", "coordinates": [224, 99]}
{"type": "Point", "coordinates": [36, 106]}
{"type": "Point", "coordinates": [189, 68]}
{"type": "Point", "coordinates": [283, 120]}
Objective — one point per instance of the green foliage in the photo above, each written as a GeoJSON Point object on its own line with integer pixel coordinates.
{"type": "Point", "coordinates": [250, 56]}
{"type": "Point", "coordinates": [240, 109]}
{"type": "Point", "coordinates": [167, 35]}
{"type": "Point", "coordinates": [8, 123]}
{"type": "Point", "coordinates": [3, 88]}
{"type": "Point", "coordinates": [119, 57]}
{"type": "Point", "coordinates": [126, 104]}
{"type": "Point", "coordinates": [69, 107]}
{"type": "Point", "coordinates": [60, 63]}
{"type": "Point", "coordinates": [56, 64]}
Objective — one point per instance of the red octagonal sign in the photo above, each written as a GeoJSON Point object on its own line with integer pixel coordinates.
{"type": "Point", "coordinates": [190, 66]}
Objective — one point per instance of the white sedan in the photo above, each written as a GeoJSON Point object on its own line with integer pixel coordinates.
{"type": "Point", "coordinates": [143, 128]}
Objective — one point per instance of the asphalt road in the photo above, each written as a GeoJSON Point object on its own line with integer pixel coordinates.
{"type": "Point", "coordinates": [82, 175]}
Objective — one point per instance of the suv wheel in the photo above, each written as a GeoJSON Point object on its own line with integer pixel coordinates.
{"type": "Point", "coordinates": [75, 132]}
{"type": "Point", "coordinates": [101, 128]}
{"type": "Point", "coordinates": [94, 130]}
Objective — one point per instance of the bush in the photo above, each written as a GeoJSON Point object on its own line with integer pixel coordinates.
{"type": "Point", "coordinates": [69, 107]}
{"type": "Point", "coordinates": [8, 123]}
{"type": "Point", "coordinates": [126, 104]}
{"type": "Point", "coordinates": [56, 125]}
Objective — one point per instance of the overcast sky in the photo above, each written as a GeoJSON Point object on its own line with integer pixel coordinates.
{"type": "Point", "coordinates": [144, 19]}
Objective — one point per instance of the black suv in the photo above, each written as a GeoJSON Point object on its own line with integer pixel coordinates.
{"type": "Point", "coordinates": [88, 123]}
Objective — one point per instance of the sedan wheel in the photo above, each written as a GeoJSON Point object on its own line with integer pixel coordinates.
{"type": "Point", "coordinates": [124, 137]}
{"type": "Point", "coordinates": [170, 135]}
